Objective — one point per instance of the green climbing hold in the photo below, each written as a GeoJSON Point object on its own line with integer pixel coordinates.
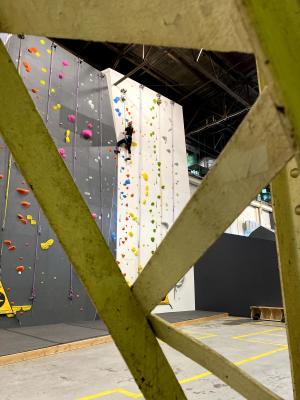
{"type": "Point", "coordinates": [152, 239]}
{"type": "Point", "coordinates": [152, 204]}
{"type": "Point", "coordinates": [159, 163]}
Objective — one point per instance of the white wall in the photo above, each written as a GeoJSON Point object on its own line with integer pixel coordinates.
{"type": "Point", "coordinates": [154, 185]}
{"type": "Point", "coordinates": [255, 215]}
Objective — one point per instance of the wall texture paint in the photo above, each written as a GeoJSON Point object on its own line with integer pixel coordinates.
{"type": "Point", "coordinates": [135, 203]}
{"type": "Point", "coordinates": [154, 185]}
{"type": "Point", "coordinates": [71, 97]}
{"type": "Point", "coordinates": [238, 272]}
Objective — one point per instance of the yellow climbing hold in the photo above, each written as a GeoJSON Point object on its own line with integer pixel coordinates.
{"type": "Point", "coordinates": [46, 245]}
{"type": "Point", "coordinates": [133, 216]}
{"type": "Point", "coordinates": [144, 201]}
{"type": "Point", "coordinates": [52, 91]}
{"type": "Point", "coordinates": [38, 54]}
{"type": "Point", "coordinates": [130, 234]}
{"type": "Point", "coordinates": [42, 41]}
{"type": "Point", "coordinates": [42, 82]}
{"type": "Point", "coordinates": [134, 250]}
{"type": "Point", "coordinates": [133, 144]}
{"type": "Point", "coordinates": [49, 51]}
{"type": "Point", "coordinates": [29, 217]}
{"type": "Point", "coordinates": [33, 222]}
{"type": "Point", "coordinates": [44, 70]}
{"type": "Point", "coordinates": [56, 106]}
{"type": "Point", "coordinates": [140, 269]}
{"type": "Point", "coordinates": [145, 175]}
{"type": "Point", "coordinates": [67, 136]}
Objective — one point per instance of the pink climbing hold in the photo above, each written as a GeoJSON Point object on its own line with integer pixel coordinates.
{"type": "Point", "coordinates": [94, 215]}
{"type": "Point", "coordinates": [61, 75]}
{"type": "Point", "coordinates": [62, 152]}
{"type": "Point", "coordinates": [71, 117]}
{"type": "Point", "coordinates": [65, 63]}
{"type": "Point", "coordinates": [87, 133]}
{"type": "Point", "coordinates": [90, 125]}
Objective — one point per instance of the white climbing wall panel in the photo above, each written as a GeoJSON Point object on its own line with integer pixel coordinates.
{"type": "Point", "coordinates": [153, 187]}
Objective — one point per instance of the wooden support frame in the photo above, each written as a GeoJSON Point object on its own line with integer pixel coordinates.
{"type": "Point", "coordinates": [239, 25]}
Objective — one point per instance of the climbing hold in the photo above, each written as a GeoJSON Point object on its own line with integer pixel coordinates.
{"type": "Point", "coordinates": [62, 152]}
{"type": "Point", "coordinates": [47, 244]}
{"type": "Point", "coordinates": [116, 99]}
{"type": "Point", "coordinates": [113, 236]}
{"type": "Point", "coordinates": [44, 70]}
{"type": "Point", "coordinates": [22, 190]}
{"type": "Point", "coordinates": [38, 54]}
{"type": "Point", "coordinates": [61, 75]}
{"type": "Point", "coordinates": [24, 221]}
{"type": "Point", "coordinates": [87, 133]}
{"type": "Point", "coordinates": [130, 234]}
{"type": "Point", "coordinates": [90, 125]}
{"type": "Point", "coordinates": [32, 50]}
{"type": "Point", "coordinates": [71, 117]}
{"type": "Point", "coordinates": [20, 269]}
{"type": "Point", "coordinates": [34, 90]}
{"type": "Point", "coordinates": [20, 216]}
{"type": "Point", "coordinates": [67, 136]}
{"type": "Point", "coordinates": [26, 66]}
{"type": "Point", "coordinates": [145, 176]}
{"type": "Point", "coordinates": [56, 106]}
{"type": "Point", "coordinates": [7, 242]}
{"type": "Point", "coordinates": [42, 41]}
{"type": "Point", "coordinates": [29, 217]}
{"type": "Point", "coordinates": [52, 90]}
{"type": "Point", "coordinates": [11, 248]}
{"type": "Point", "coordinates": [65, 63]}
{"type": "Point", "coordinates": [42, 82]}
{"type": "Point", "coordinates": [152, 239]}
{"type": "Point", "coordinates": [25, 204]}
{"type": "Point", "coordinates": [49, 51]}
{"type": "Point", "coordinates": [94, 215]}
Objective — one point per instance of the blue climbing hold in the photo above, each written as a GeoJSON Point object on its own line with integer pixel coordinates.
{"type": "Point", "coordinates": [127, 182]}
{"type": "Point", "coordinates": [116, 99]}
{"type": "Point", "coordinates": [113, 236]}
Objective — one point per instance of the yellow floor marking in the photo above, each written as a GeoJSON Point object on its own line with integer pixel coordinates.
{"type": "Point", "coordinates": [275, 334]}
{"type": "Point", "coordinates": [262, 342]}
{"type": "Point", "coordinates": [182, 381]}
{"type": "Point", "coordinates": [210, 335]}
{"type": "Point", "coordinates": [256, 333]}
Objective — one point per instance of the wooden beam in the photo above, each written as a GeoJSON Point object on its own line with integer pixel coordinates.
{"type": "Point", "coordinates": [255, 154]}
{"type": "Point", "coordinates": [286, 206]}
{"type": "Point", "coordinates": [46, 174]}
{"type": "Point", "coordinates": [202, 354]}
{"type": "Point", "coordinates": [274, 31]}
{"type": "Point", "coordinates": [207, 23]}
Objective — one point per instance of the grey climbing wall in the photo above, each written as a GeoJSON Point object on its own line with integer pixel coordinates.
{"type": "Point", "coordinates": [72, 98]}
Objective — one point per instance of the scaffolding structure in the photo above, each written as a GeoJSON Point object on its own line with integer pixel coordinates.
{"type": "Point", "coordinates": [263, 149]}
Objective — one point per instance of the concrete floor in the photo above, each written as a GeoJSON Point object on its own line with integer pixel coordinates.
{"type": "Point", "coordinates": [99, 372]}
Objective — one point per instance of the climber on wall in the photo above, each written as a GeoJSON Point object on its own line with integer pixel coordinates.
{"type": "Point", "coordinates": [127, 141]}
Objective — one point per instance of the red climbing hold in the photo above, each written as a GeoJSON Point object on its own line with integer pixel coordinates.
{"type": "Point", "coordinates": [25, 204]}
{"type": "Point", "coordinates": [11, 248]}
{"type": "Point", "coordinates": [26, 66]}
{"type": "Point", "coordinates": [34, 90]}
{"type": "Point", "coordinates": [22, 191]}
{"type": "Point", "coordinates": [24, 221]}
{"type": "Point", "coordinates": [8, 242]}
{"type": "Point", "coordinates": [20, 269]}
{"type": "Point", "coordinates": [1, 176]}
{"type": "Point", "coordinates": [20, 216]}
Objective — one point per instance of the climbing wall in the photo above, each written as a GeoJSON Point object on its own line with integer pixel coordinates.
{"type": "Point", "coordinates": [73, 100]}
{"type": "Point", "coordinates": [153, 187]}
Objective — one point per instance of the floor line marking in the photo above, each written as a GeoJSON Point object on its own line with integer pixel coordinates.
{"type": "Point", "coordinates": [256, 333]}
{"type": "Point", "coordinates": [262, 342]}
{"type": "Point", "coordinates": [182, 381]}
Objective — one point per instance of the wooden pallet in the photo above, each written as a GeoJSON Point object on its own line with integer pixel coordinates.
{"type": "Point", "coordinates": [267, 313]}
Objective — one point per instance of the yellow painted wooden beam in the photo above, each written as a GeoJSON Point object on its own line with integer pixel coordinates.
{"type": "Point", "coordinates": [274, 31]}
{"type": "Point", "coordinates": [45, 172]}
{"type": "Point", "coordinates": [255, 154]}
{"type": "Point", "coordinates": [286, 205]}
{"type": "Point", "coordinates": [202, 354]}
{"type": "Point", "coordinates": [197, 24]}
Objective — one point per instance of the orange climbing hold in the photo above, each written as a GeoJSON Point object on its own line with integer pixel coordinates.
{"type": "Point", "coordinates": [32, 50]}
{"type": "Point", "coordinates": [20, 269]}
{"type": "Point", "coordinates": [24, 221]}
{"type": "Point", "coordinates": [34, 90]}
{"type": "Point", "coordinates": [26, 66]}
{"type": "Point", "coordinates": [8, 242]}
{"type": "Point", "coordinates": [25, 204]}
{"type": "Point", "coordinates": [22, 191]}
{"type": "Point", "coordinates": [20, 216]}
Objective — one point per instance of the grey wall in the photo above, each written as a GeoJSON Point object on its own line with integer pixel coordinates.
{"type": "Point", "coordinates": [49, 282]}
{"type": "Point", "coordinates": [235, 273]}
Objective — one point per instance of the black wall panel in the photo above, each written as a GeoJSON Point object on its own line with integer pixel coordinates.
{"type": "Point", "coordinates": [237, 272]}
{"type": "Point", "coordinates": [60, 85]}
